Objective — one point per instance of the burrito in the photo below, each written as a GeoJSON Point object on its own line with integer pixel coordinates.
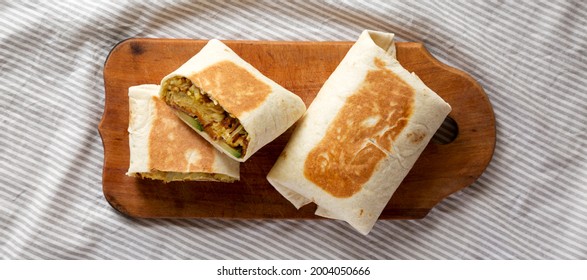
{"type": "Point", "coordinates": [360, 136]}
{"type": "Point", "coordinates": [162, 147]}
{"type": "Point", "coordinates": [229, 102]}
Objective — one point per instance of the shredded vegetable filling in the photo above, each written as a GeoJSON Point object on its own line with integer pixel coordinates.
{"type": "Point", "coordinates": [181, 176]}
{"type": "Point", "coordinates": [182, 94]}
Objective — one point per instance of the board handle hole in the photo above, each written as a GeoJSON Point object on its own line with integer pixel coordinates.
{"type": "Point", "coordinates": [447, 133]}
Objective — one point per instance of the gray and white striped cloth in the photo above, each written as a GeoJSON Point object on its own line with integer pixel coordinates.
{"type": "Point", "coordinates": [531, 203]}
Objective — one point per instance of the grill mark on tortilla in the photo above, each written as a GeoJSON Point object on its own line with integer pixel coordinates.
{"type": "Point", "coordinates": [370, 120]}
{"type": "Point", "coordinates": [174, 146]}
{"type": "Point", "coordinates": [236, 89]}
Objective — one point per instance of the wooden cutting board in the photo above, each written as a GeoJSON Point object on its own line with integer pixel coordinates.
{"type": "Point", "coordinates": [301, 67]}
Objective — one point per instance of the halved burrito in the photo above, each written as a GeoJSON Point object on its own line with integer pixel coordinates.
{"type": "Point", "coordinates": [162, 147]}
{"type": "Point", "coordinates": [360, 136]}
{"type": "Point", "coordinates": [229, 102]}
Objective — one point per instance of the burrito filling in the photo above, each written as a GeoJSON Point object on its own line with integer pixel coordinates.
{"type": "Point", "coordinates": [181, 176]}
{"type": "Point", "coordinates": [199, 110]}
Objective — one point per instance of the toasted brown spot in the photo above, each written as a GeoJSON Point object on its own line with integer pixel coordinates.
{"type": "Point", "coordinates": [379, 63]}
{"type": "Point", "coordinates": [416, 136]}
{"type": "Point", "coordinates": [235, 89]}
{"type": "Point", "coordinates": [174, 146]}
{"type": "Point", "coordinates": [361, 134]}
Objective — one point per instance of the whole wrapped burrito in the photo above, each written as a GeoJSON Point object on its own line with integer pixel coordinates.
{"type": "Point", "coordinates": [231, 104]}
{"type": "Point", "coordinates": [360, 136]}
{"type": "Point", "coordinates": [162, 147]}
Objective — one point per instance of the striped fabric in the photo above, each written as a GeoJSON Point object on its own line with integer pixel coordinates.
{"type": "Point", "coordinates": [531, 203]}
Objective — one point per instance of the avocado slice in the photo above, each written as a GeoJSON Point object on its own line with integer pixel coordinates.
{"type": "Point", "coordinates": [194, 123]}
{"type": "Point", "coordinates": [236, 152]}
{"type": "Point", "coordinates": [191, 121]}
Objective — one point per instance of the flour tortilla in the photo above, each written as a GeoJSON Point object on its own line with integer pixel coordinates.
{"type": "Point", "coordinates": [360, 137]}
{"type": "Point", "coordinates": [162, 147]}
{"type": "Point", "coordinates": [264, 108]}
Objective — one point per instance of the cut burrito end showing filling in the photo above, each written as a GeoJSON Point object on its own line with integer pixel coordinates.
{"type": "Point", "coordinates": [196, 108]}
{"type": "Point", "coordinates": [191, 176]}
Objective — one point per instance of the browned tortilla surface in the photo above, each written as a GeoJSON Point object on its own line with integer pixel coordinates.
{"type": "Point", "coordinates": [235, 89]}
{"type": "Point", "coordinates": [170, 136]}
{"type": "Point", "coordinates": [361, 134]}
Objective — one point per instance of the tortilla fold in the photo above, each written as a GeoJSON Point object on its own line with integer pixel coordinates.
{"type": "Point", "coordinates": [235, 107]}
{"type": "Point", "coordinates": [360, 136]}
{"type": "Point", "coordinates": [162, 147]}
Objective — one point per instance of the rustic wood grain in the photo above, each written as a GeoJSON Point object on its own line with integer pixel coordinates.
{"type": "Point", "coordinates": [301, 67]}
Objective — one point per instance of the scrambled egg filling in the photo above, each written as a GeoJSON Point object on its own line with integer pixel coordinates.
{"type": "Point", "coordinates": [182, 94]}
{"type": "Point", "coordinates": [180, 176]}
